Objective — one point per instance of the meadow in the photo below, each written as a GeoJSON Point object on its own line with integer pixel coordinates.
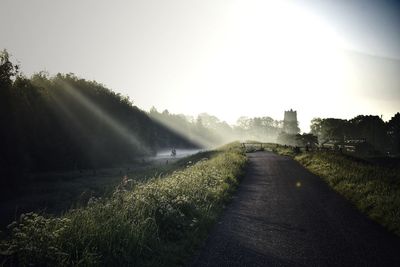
{"type": "Point", "coordinates": [373, 188]}
{"type": "Point", "coordinates": [156, 221]}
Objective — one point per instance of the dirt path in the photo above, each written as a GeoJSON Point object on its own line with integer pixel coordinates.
{"type": "Point", "coordinates": [282, 215]}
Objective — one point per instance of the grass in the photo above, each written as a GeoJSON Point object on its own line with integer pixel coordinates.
{"type": "Point", "coordinates": [156, 222]}
{"type": "Point", "coordinates": [56, 192]}
{"type": "Point", "coordinates": [254, 146]}
{"type": "Point", "coordinates": [374, 189]}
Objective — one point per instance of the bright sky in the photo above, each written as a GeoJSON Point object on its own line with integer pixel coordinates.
{"type": "Point", "coordinates": [226, 58]}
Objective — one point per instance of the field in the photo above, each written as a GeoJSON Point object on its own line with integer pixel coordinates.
{"type": "Point", "coordinates": [374, 188]}
{"type": "Point", "coordinates": [56, 192]}
{"type": "Point", "coordinates": [157, 221]}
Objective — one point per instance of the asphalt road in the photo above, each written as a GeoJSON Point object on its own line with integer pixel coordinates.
{"type": "Point", "coordinates": [282, 215]}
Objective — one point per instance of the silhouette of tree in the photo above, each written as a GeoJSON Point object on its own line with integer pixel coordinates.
{"type": "Point", "coordinates": [65, 123]}
{"type": "Point", "coordinates": [307, 140]}
{"type": "Point", "coordinates": [393, 127]}
{"type": "Point", "coordinates": [370, 128]}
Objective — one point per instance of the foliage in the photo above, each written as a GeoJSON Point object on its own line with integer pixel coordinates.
{"type": "Point", "coordinates": [56, 192]}
{"type": "Point", "coordinates": [382, 136]}
{"type": "Point", "coordinates": [207, 130]}
{"type": "Point", "coordinates": [154, 223]}
{"type": "Point", "coordinates": [67, 123]}
{"type": "Point", "coordinates": [264, 129]}
{"type": "Point", "coordinates": [302, 140]}
{"type": "Point", "coordinates": [199, 131]}
{"type": "Point", "coordinates": [285, 150]}
{"type": "Point", "coordinates": [394, 132]}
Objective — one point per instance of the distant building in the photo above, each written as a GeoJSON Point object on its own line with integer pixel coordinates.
{"type": "Point", "coordinates": [290, 123]}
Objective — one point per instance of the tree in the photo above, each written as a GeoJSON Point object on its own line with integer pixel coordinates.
{"type": "Point", "coordinates": [307, 140]}
{"type": "Point", "coordinates": [209, 121]}
{"type": "Point", "coordinates": [332, 129]}
{"type": "Point", "coordinates": [10, 155]}
{"type": "Point", "coordinates": [65, 123]}
{"type": "Point", "coordinates": [371, 128]}
{"type": "Point", "coordinates": [316, 127]}
{"type": "Point", "coordinates": [244, 122]}
{"type": "Point", "coordinates": [7, 70]}
{"type": "Point", "coordinates": [393, 130]}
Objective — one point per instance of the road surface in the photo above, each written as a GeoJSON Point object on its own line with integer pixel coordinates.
{"type": "Point", "coordinates": [282, 215]}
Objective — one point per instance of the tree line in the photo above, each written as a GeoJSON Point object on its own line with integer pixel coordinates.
{"type": "Point", "coordinates": [383, 136]}
{"type": "Point", "coordinates": [209, 131]}
{"type": "Point", "coordinates": [68, 123]}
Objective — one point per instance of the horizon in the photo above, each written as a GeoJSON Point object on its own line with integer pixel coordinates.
{"type": "Point", "coordinates": [234, 122]}
{"type": "Point", "coordinates": [229, 60]}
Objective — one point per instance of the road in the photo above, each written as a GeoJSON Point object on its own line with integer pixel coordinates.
{"type": "Point", "coordinates": [282, 215]}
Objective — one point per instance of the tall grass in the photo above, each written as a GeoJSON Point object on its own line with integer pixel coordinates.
{"type": "Point", "coordinates": [373, 189]}
{"type": "Point", "coordinates": [158, 222]}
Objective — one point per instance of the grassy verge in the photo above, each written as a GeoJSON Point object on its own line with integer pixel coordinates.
{"type": "Point", "coordinates": [158, 222]}
{"type": "Point", "coordinates": [373, 189]}
{"type": "Point", "coordinates": [56, 192]}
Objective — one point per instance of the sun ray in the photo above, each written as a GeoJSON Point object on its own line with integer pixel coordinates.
{"type": "Point", "coordinates": [116, 126]}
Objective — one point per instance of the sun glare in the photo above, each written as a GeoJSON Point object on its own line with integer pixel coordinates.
{"type": "Point", "coordinates": [303, 54]}
{"type": "Point", "coordinates": [276, 51]}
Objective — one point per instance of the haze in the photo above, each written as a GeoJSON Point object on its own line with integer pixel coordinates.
{"type": "Point", "coordinates": [226, 58]}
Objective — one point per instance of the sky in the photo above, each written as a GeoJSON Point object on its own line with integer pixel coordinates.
{"type": "Point", "coordinates": [227, 58]}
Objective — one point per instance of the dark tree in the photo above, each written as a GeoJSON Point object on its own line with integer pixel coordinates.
{"type": "Point", "coordinates": [65, 123]}
{"type": "Point", "coordinates": [393, 130]}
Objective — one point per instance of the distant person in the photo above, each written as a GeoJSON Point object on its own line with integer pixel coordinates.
{"type": "Point", "coordinates": [173, 152]}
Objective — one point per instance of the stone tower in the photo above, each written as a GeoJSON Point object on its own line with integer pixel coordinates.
{"type": "Point", "coordinates": [290, 123]}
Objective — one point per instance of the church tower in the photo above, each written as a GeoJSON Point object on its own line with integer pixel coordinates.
{"type": "Point", "coordinates": [290, 123]}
